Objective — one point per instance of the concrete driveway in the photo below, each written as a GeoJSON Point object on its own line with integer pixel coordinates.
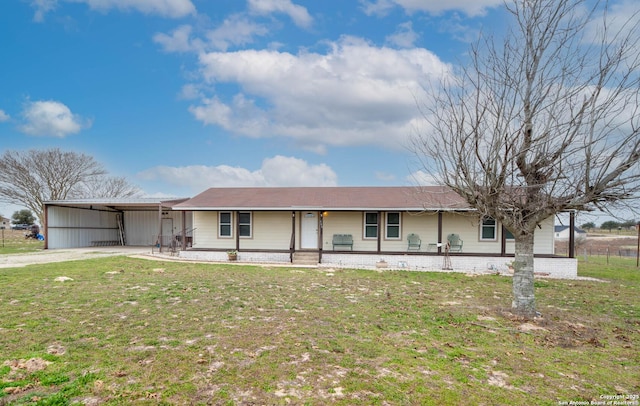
{"type": "Point", "coordinates": [74, 254]}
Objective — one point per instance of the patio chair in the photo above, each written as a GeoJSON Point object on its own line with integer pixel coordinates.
{"type": "Point", "coordinates": [414, 242]}
{"type": "Point", "coordinates": [455, 243]}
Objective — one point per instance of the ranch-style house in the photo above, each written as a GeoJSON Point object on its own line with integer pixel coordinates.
{"type": "Point", "coordinates": [419, 228]}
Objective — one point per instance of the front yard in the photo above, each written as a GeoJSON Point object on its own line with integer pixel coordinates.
{"type": "Point", "coordinates": [122, 330]}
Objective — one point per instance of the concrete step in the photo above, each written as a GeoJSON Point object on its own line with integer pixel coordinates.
{"type": "Point", "coordinates": [306, 258]}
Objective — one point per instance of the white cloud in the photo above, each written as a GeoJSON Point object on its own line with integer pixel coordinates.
{"type": "Point", "coordinates": [622, 19]}
{"type": "Point", "coordinates": [404, 37]}
{"type": "Point", "coordinates": [241, 116]}
{"type": "Point", "coordinates": [355, 94]}
{"type": "Point", "coordinates": [235, 30]}
{"type": "Point", "coordinates": [165, 8]}
{"type": "Point", "coordinates": [276, 171]}
{"type": "Point", "coordinates": [179, 40]}
{"type": "Point", "coordinates": [377, 7]}
{"type": "Point", "coordinates": [190, 91]}
{"type": "Point", "coordinates": [469, 7]}
{"type": "Point", "coordinates": [298, 14]}
{"type": "Point", "coordinates": [51, 118]}
{"type": "Point", "coordinates": [422, 178]}
{"type": "Point", "coordinates": [42, 8]}
{"type": "Point", "coordinates": [4, 116]}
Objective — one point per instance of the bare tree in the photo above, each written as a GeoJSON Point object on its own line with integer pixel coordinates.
{"type": "Point", "coordinates": [107, 186]}
{"type": "Point", "coordinates": [30, 178]}
{"type": "Point", "coordinates": [543, 120]}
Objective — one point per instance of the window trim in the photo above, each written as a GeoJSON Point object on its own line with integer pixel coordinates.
{"type": "Point", "coordinates": [387, 225]}
{"type": "Point", "coordinates": [483, 226]}
{"type": "Point", "coordinates": [220, 224]}
{"type": "Point", "coordinates": [365, 225]}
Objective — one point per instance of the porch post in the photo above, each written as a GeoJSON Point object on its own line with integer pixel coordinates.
{"type": "Point", "coordinates": [237, 214]}
{"type": "Point", "coordinates": [572, 237]}
{"type": "Point", "coordinates": [292, 243]}
{"type": "Point", "coordinates": [320, 237]}
{"type": "Point", "coordinates": [439, 233]}
{"type": "Point", "coordinates": [379, 230]}
{"type": "Point", "coordinates": [503, 242]}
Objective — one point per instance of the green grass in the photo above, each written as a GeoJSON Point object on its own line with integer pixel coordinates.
{"type": "Point", "coordinates": [135, 331]}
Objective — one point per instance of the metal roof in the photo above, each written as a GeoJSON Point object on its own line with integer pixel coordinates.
{"type": "Point", "coordinates": [326, 198]}
{"type": "Point", "coordinates": [139, 203]}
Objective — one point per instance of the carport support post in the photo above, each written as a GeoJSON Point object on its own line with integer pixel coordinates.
{"type": "Point", "coordinates": [159, 240]}
{"type": "Point", "coordinates": [45, 226]}
{"type": "Point", "coordinates": [184, 230]}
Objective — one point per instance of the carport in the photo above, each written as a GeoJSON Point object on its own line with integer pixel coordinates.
{"type": "Point", "coordinates": [126, 222]}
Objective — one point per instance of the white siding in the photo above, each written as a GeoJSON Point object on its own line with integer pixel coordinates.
{"type": "Point", "coordinates": [269, 230]}
{"type": "Point", "coordinates": [205, 234]}
{"type": "Point", "coordinates": [272, 230]}
{"type": "Point", "coordinates": [347, 222]}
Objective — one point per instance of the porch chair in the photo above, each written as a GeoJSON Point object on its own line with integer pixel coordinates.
{"type": "Point", "coordinates": [455, 243]}
{"type": "Point", "coordinates": [414, 242]}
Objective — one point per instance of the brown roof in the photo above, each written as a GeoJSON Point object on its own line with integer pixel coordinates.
{"type": "Point", "coordinates": [326, 198]}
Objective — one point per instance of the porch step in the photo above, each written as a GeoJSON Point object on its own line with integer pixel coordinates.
{"type": "Point", "coordinates": [306, 258]}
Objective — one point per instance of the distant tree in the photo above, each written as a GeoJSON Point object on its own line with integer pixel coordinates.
{"type": "Point", "coordinates": [588, 226]}
{"type": "Point", "coordinates": [23, 216]}
{"type": "Point", "coordinates": [30, 178]}
{"type": "Point", "coordinates": [542, 120]}
{"type": "Point", "coordinates": [609, 225]}
{"type": "Point", "coordinates": [107, 186]}
{"type": "Point", "coordinates": [628, 224]}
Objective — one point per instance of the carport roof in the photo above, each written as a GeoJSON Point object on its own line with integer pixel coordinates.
{"type": "Point", "coordinates": [130, 203]}
{"type": "Point", "coordinates": [404, 198]}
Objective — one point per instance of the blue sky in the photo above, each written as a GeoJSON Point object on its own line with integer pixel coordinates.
{"type": "Point", "coordinates": [182, 95]}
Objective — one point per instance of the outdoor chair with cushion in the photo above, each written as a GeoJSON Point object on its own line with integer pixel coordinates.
{"type": "Point", "coordinates": [455, 243]}
{"type": "Point", "coordinates": [414, 242]}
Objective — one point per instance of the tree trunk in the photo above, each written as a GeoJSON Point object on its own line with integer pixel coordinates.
{"type": "Point", "coordinates": [524, 303]}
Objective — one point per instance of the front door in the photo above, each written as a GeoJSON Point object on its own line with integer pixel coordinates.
{"type": "Point", "coordinates": [309, 230]}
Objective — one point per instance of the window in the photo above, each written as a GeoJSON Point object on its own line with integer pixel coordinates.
{"type": "Point", "coordinates": [393, 225]}
{"type": "Point", "coordinates": [224, 228]}
{"type": "Point", "coordinates": [371, 225]}
{"type": "Point", "coordinates": [244, 224]}
{"type": "Point", "coordinates": [508, 235]}
{"type": "Point", "coordinates": [488, 229]}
